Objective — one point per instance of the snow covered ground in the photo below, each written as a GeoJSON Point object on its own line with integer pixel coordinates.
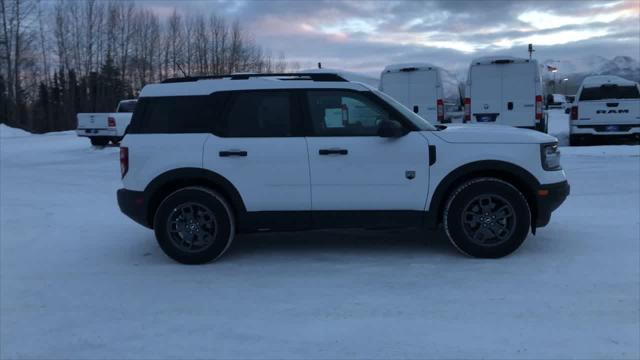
{"type": "Point", "coordinates": [79, 280]}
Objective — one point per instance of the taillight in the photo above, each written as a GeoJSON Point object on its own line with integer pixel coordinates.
{"type": "Point", "coordinates": [574, 113]}
{"type": "Point", "coordinates": [124, 161]}
{"type": "Point", "coordinates": [440, 107]}
{"type": "Point", "coordinates": [538, 107]}
{"type": "Point", "coordinates": [111, 122]}
{"type": "Point", "coordinates": [467, 109]}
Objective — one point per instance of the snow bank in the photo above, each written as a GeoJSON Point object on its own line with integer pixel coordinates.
{"type": "Point", "coordinates": [559, 126]}
{"type": "Point", "coordinates": [11, 132]}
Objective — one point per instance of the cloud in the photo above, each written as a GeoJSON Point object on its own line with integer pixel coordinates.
{"type": "Point", "coordinates": [367, 35]}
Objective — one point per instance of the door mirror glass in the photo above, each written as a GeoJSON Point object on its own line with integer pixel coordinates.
{"type": "Point", "coordinates": [391, 129]}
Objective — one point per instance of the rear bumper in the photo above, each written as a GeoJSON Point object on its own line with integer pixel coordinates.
{"type": "Point", "coordinates": [134, 205]}
{"type": "Point", "coordinates": [605, 130]}
{"type": "Point", "coordinates": [97, 132]}
{"type": "Point", "coordinates": [548, 198]}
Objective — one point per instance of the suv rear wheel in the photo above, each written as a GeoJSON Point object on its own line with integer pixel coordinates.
{"type": "Point", "coordinates": [99, 141]}
{"type": "Point", "coordinates": [194, 225]}
{"type": "Point", "coordinates": [487, 218]}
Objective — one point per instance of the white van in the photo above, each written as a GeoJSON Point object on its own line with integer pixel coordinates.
{"type": "Point", "coordinates": [606, 106]}
{"type": "Point", "coordinates": [418, 86]}
{"type": "Point", "coordinates": [348, 75]}
{"type": "Point", "coordinates": [505, 90]}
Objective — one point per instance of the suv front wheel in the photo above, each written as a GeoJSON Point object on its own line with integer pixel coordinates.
{"type": "Point", "coordinates": [194, 225]}
{"type": "Point", "coordinates": [487, 218]}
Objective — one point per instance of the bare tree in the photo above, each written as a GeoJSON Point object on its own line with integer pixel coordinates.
{"type": "Point", "coordinates": [57, 59]}
{"type": "Point", "coordinates": [43, 44]}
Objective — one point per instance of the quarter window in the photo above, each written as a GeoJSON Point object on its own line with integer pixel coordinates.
{"type": "Point", "coordinates": [344, 113]}
{"type": "Point", "coordinates": [176, 114]}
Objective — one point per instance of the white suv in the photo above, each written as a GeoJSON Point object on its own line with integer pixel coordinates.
{"type": "Point", "coordinates": [206, 158]}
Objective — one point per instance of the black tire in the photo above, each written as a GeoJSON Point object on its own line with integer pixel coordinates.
{"type": "Point", "coordinates": [486, 231]}
{"type": "Point", "coordinates": [201, 237]}
{"type": "Point", "coordinates": [99, 141]}
{"type": "Point", "coordinates": [577, 140]}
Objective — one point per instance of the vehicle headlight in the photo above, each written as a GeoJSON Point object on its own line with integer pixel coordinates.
{"type": "Point", "coordinates": [550, 155]}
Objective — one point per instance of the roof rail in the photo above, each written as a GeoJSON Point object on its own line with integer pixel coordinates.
{"type": "Point", "coordinates": [291, 76]}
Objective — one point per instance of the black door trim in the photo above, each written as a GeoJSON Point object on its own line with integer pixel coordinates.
{"type": "Point", "coordinates": [255, 221]}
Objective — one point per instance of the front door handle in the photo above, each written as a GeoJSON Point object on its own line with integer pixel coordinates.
{"type": "Point", "coordinates": [228, 153]}
{"type": "Point", "coordinates": [333, 151]}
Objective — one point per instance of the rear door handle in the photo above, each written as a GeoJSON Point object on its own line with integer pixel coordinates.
{"type": "Point", "coordinates": [228, 153]}
{"type": "Point", "coordinates": [333, 151]}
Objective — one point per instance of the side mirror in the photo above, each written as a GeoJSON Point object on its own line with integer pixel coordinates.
{"type": "Point", "coordinates": [391, 129]}
{"type": "Point", "coordinates": [567, 110]}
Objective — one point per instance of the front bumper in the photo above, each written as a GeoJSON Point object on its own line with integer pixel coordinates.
{"type": "Point", "coordinates": [548, 198]}
{"type": "Point", "coordinates": [134, 205]}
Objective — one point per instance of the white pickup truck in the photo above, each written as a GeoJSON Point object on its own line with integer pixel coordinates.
{"type": "Point", "coordinates": [605, 107]}
{"type": "Point", "coordinates": [101, 128]}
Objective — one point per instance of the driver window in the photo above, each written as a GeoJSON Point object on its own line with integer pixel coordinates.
{"type": "Point", "coordinates": [344, 113]}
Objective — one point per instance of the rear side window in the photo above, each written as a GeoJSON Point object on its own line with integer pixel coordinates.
{"type": "Point", "coordinates": [605, 92]}
{"type": "Point", "coordinates": [177, 114]}
{"type": "Point", "coordinates": [259, 114]}
{"type": "Point", "coordinates": [127, 106]}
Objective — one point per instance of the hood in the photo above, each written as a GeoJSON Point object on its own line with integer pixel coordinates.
{"type": "Point", "coordinates": [491, 134]}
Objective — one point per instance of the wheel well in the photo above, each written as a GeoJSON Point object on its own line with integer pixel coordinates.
{"type": "Point", "coordinates": [521, 184]}
{"type": "Point", "coordinates": [159, 194]}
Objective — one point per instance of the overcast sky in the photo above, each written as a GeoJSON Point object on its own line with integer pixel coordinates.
{"type": "Point", "coordinates": [365, 36]}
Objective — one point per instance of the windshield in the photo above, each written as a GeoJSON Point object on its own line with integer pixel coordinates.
{"type": "Point", "coordinates": [419, 122]}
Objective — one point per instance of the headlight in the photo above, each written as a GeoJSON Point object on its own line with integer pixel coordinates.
{"type": "Point", "coordinates": [550, 155]}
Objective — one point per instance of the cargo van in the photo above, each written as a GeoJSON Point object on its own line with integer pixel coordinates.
{"type": "Point", "coordinates": [348, 75]}
{"type": "Point", "coordinates": [418, 86]}
{"type": "Point", "coordinates": [505, 90]}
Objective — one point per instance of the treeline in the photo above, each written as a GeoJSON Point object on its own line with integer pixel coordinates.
{"type": "Point", "coordinates": [61, 57]}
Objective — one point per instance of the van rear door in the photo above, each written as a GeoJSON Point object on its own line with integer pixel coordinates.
{"type": "Point", "coordinates": [486, 92]}
{"type": "Point", "coordinates": [423, 93]}
{"type": "Point", "coordinates": [518, 95]}
{"type": "Point", "coordinates": [394, 84]}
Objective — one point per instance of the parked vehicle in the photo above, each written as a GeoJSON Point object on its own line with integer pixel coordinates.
{"type": "Point", "coordinates": [206, 158]}
{"type": "Point", "coordinates": [505, 90]}
{"type": "Point", "coordinates": [569, 103]}
{"type": "Point", "coordinates": [418, 86]}
{"type": "Point", "coordinates": [348, 75]}
{"type": "Point", "coordinates": [556, 101]}
{"type": "Point", "coordinates": [101, 128]}
{"type": "Point", "coordinates": [606, 107]}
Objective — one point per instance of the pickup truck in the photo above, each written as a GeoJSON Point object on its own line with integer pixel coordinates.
{"type": "Point", "coordinates": [101, 128]}
{"type": "Point", "coordinates": [606, 107]}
